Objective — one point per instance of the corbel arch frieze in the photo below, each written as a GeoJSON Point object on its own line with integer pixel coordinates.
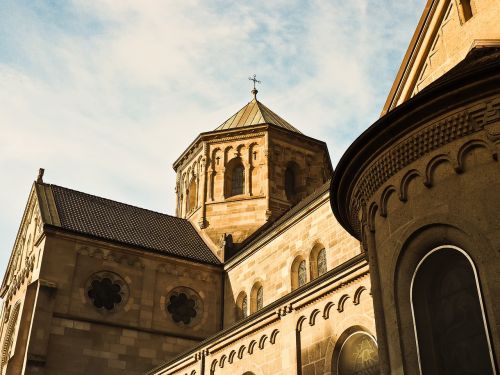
{"type": "Point", "coordinates": [469, 146]}
{"type": "Point", "coordinates": [454, 159]}
{"type": "Point", "coordinates": [432, 166]}
{"type": "Point", "coordinates": [477, 118]}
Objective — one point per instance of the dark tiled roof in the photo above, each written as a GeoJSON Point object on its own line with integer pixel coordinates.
{"type": "Point", "coordinates": [115, 221]}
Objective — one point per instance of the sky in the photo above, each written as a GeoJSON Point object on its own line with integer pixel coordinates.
{"type": "Point", "coordinates": [106, 94]}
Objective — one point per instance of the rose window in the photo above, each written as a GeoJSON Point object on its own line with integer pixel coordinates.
{"type": "Point", "coordinates": [106, 290]}
{"type": "Point", "coordinates": [182, 308]}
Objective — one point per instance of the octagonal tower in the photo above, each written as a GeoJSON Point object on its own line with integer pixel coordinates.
{"type": "Point", "coordinates": [246, 173]}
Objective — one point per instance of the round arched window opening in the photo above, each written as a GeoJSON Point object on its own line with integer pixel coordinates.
{"type": "Point", "coordinates": [234, 183]}
{"type": "Point", "coordinates": [448, 314]}
{"type": "Point", "coordinates": [358, 355]}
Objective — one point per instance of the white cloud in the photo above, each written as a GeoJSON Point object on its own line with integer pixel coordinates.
{"type": "Point", "coordinates": [106, 94]}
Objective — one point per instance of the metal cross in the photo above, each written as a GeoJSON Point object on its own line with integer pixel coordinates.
{"type": "Point", "coordinates": [254, 80]}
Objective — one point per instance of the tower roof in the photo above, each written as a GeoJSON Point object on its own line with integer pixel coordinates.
{"type": "Point", "coordinates": [255, 113]}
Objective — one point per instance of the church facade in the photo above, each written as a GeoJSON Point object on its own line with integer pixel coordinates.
{"type": "Point", "coordinates": [277, 264]}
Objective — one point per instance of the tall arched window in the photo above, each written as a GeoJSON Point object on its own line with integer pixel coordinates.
{"type": "Point", "coordinates": [299, 273]}
{"type": "Point", "coordinates": [322, 262]}
{"type": "Point", "coordinates": [260, 298]}
{"type": "Point", "coordinates": [234, 178]}
{"type": "Point", "coordinates": [317, 260]}
{"type": "Point", "coordinates": [256, 297]}
{"type": "Point", "coordinates": [242, 306]}
{"type": "Point", "coordinates": [237, 180]}
{"type": "Point", "coordinates": [291, 177]}
{"type": "Point", "coordinates": [191, 194]}
{"type": "Point", "coordinates": [448, 315]}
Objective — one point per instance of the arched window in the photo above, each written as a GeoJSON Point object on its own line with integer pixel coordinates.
{"type": "Point", "coordinates": [299, 273]}
{"type": "Point", "coordinates": [234, 178]}
{"type": "Point", "coordinates": [191, 195]}
{"type": "Point", "coordinates": [358, 354]}
{"type": "Point", "coordinates": [260, 298]}
{"type": "Point", "coordinates": [237, 180]}
{"type": "Point", "coordinates": [322, 262]}
{"type": "Point", "coordinates": [256, 297]}
{"type": "Point", "coordinates": [448, 315]}
{"type": "Point", "coordinates": [317, 260]}
{"type": "Point", "coordinates": [242, 306]}
{"type": "Point", "coordinates": [291, 176]}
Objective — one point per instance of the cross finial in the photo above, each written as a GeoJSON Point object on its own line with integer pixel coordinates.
{"type": "Point", "coordinates": [254, 91]}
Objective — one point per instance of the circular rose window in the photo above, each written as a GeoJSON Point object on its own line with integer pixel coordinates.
{"type": "Point", "coordinates": [107, 290]}
{"type": "Point", "coordinates": [184, 305]}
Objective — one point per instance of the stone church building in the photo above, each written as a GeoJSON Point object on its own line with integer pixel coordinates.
{"type": "Point", "coordinates": [277, 264]}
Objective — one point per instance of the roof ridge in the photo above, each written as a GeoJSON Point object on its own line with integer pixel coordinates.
{"type": "Point", "coordinates": [111, 200]}
{"type": "Point", "coordinates": [275, 118]}
{"type": "Point", "coordinates": [243, 117]}
{"type": "Point", "coordinates": [288, 214]}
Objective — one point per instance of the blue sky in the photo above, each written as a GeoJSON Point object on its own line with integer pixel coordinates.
{"type": "Point", "coordinates": [106, 94]}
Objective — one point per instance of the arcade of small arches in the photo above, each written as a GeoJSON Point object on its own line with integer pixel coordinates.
{"type": "Point", "coordinates": [230, 172]}
{"type": "Point", "coordinates": [354, 351]}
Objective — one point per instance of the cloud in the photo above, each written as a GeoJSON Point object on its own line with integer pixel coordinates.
{"type": "Point", "coordinates": [106, 94]}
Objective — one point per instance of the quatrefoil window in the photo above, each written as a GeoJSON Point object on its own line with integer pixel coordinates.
{"type": "Point", "coordinates": [106, 290]}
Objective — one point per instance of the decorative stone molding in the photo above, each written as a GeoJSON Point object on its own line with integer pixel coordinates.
{"type": "Point", "coordinates": [421, 142]}
{"type": "Point", "coordinates": [455, 160]}
{"type": "Point", "coordinates": [111, 255]}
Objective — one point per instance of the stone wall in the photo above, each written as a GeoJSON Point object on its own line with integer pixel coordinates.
{"type": "Point", "coordinates": [71, 335]}
{"type": "Point", "coordinates": [269, 259]}
{"type": "Point", "coordinates": [298, 334]}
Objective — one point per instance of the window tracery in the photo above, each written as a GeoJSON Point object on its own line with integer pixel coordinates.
{"type": "Point", "coordinates": [184, 306]}
{"type": "Point", "coordinates": [106, 291]}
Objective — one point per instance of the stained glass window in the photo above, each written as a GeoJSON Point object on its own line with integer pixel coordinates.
{"type": "Point", "coordinates": [302, 273]}
{"type": "Point", "coordinates": [322, 262]}
{"type": "Point", "coordinates": [237, 180]}
{"type": "Point", "coordinates": [358, 355]}
{"type": "Point", "coordinates": [244, 307]}
{"type": "Point", "coordinates": [260, 298]}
